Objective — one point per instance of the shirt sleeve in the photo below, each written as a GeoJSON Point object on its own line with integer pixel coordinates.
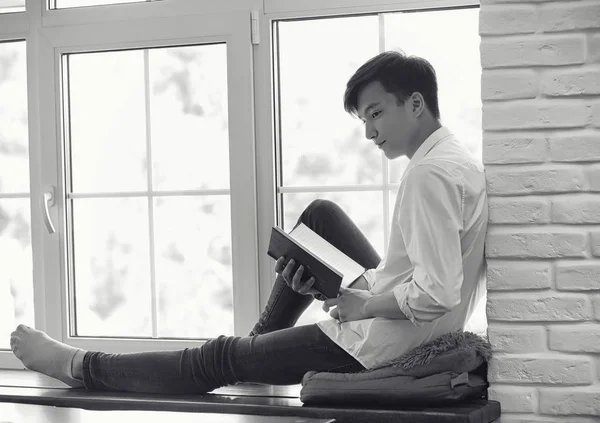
{"type": "Point", "coordinates": [430, 219]}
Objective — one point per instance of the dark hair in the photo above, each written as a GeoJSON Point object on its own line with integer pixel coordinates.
{"type": "Point", "coordinates": [400, 75]}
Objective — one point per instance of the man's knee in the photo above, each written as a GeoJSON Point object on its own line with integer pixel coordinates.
{"type": "Point", "coordinates": [317, 209]}
{"type": "Point", "coordinates": [211, 362]}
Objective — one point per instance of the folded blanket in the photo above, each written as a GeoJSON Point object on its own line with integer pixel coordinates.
{"type": "Point", "coordinates": [440, 371]}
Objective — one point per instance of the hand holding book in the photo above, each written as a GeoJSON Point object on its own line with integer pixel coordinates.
{"type": "Point", "coordinates": [329, 266]}
{"type": "Point", "coordinates": [293, 277]}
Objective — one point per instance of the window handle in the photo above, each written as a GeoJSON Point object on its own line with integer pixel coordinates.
{"type": "Point", "coordinates": [48, 202]}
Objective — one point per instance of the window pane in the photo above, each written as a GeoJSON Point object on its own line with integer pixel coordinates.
{"type": "Point", "coordinates": [193, 266]}
{"type": "Point", "coordinates": [364, 208]}
{"type": "Point", "coordinates": [170, 105]}
{"type": "Point", "coordinates": [9, 6]}
{"type": "Point", "coordinates": [112, 267]}
{"type": "Point", "coordinates": [321, 143]}
{"type": "Point", "coordinates": [16, 280]}
{"type": "Point", "coordinates": [190, 139]}
{"type": "Point", "coordinates": [14, 142]}
{"type": "Point", "coordinates": [108, 123]}
{"type": "Point", "coordinates": [16, 272]}
{"type": "Point", "coordinates": [459, 73]}
{"type": "Point", "coordinates": [61, 4]}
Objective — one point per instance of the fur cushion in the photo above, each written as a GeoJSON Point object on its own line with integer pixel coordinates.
{"type": "Point", "coordinates": [429, 373]}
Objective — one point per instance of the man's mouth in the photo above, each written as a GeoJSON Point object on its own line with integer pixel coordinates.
{"type": "Point", "coordinates": [380, 144]}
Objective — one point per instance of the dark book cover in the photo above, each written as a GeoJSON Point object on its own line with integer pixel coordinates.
{"type": "Point", "coordinates": [327, 279]}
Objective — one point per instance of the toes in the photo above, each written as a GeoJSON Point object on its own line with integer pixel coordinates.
{"type": "Point", "coordinates": [22, 328]}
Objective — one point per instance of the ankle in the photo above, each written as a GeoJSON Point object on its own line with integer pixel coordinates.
{"type": "Point", "coordinates": [77, 365]}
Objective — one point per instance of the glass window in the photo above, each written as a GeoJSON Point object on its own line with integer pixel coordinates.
{"type": "Point", "coordinates": [458, 69]}
{"type": "Point", "coordinates": [149, 192]}
{"type": "Point", "coordinates": [16, 272]}
{"type": "Point", "coordinates": [320, 145]}
{"type": "Point", "coordinates": [9, 6]}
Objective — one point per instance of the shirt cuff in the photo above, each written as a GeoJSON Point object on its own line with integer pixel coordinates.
{"type": "Point", "coordinates": [369, 276]}
{"type": "Point", "coordinates": [402, 300]}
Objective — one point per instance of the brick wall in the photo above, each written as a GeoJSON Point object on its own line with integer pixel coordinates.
{"type": "Point", "coordinates": [541, 123]}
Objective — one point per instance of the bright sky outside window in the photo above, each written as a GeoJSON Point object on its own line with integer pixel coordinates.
{"type": "Point", "coordinates": [16, 273]}
{"type": "Point", "coordinates": [10, 6]}
{"type": "Point", "coordinates": [152, 253]}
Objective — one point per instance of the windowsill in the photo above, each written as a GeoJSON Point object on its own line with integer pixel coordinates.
{"type": "Point", "coordinates": [26, 387]}
{"type": "Point", "coordinates": [29, 379]}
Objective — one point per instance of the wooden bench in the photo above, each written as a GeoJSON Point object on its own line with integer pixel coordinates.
{"type": "Point", "coordinates": [23, 387]}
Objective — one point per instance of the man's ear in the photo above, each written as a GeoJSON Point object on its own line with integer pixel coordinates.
{"type": "Point", "coordinates": [417, 103]}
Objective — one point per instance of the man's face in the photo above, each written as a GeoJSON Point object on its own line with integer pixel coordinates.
{"type": "Point", "coordinates": [390, 125]}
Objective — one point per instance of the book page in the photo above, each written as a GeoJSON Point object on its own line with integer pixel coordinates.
{"type": "Point", "coordinates": [328, 253]}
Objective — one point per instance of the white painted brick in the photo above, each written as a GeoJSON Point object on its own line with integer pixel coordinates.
{"type": "Point", "coordinates": [527, 51]}
{"type": "Point", "coordinates": [514, 398]}
{"type": "Point", "coordinates": [596, 305]}
{"type": "Point", "coordinates": [572, 148]}
{"type": "Point", "coordinates": [517, 339]}
{"type": "Point", "coordinates": [592, 173]}
{"type": "Point", "coordinates": [538, 307]}
{"type": "Point", "coordinates": [502, 85]}
{"type": "Point", "coordinates": [517, 210]}
{"type": "Point", "coordinates": [596, 115]}
{"type": "Point", "coordinates": [595, 237]}
{"type": "Point", "coordinates": [593, 52]}
{"type": "Point", "coordinates": [535, 114]}
{"type": "Point", "coordinates": [510, 148]}
{"type": "Point", "coordinates": [555, 369]}
{"type": "Point", "coordinates": [541, 244]}
{"type": "Point", "coordinates": [578, 208]}
{"type": "Point", "coordinates": [534, 180]}
{"type": "Point", "coordinates": [496, 20]}
{"type": "Point", "coordinates": [575, 338]}
{"type": "Point", "coordinates": [509, 275]}
{"type": "Point", "coordinates": [568, 83]}
{"type": "Point", "coordinates": [569, 16]}
{"type": "Point", "coordinates": [570, 401]}
{"type": "Point", "coordinates": [577, 276]}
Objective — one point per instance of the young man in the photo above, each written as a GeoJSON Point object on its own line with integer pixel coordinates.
{"type": "Point", "coordinates": [428, 283]}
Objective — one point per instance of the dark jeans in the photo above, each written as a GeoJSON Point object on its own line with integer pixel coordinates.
{"type": "Point", "coordinates": [275, 352]}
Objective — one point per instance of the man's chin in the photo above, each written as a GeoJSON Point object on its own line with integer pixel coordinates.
{"type": "Point", "coordinates": [393, 155]}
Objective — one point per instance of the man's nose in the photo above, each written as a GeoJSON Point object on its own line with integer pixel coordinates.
{"type": "Point", "coordinates": [370, 132]}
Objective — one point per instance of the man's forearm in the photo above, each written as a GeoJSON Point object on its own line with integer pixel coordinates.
{"type": "Point", "coordinates": [360, 283]}
{"type": "Point", "coordinates": [384, 305]}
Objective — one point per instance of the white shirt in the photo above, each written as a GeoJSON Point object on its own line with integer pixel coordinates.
{"type": "Point", "coordinates": [435, 263]}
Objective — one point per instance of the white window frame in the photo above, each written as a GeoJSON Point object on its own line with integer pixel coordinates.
{"type": "Point", "coordinates": [49, 33]}
{"type": "Point", "coordinates": [50, 266]}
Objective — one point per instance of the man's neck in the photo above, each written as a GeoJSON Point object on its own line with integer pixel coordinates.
{"type": "Point", "coordinates": [425, 132]}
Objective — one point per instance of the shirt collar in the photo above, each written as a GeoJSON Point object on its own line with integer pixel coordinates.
{"type": "Point", "coordinates": [431, 141]}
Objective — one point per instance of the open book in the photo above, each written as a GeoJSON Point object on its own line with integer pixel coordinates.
{"type": "Point", "coordinates": [330, 267]}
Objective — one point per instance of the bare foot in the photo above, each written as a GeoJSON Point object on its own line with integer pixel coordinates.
{"type": "Point", "coordinates": [43, 354]}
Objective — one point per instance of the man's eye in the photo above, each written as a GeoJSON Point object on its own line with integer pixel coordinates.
{"type": "Point", "coordinates": [375, 114]}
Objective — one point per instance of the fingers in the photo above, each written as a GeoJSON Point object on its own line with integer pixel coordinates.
{"type": "Point", "coordinates": [294, 280]}
{"type": "Point", "coordinates": [287, 272]}
{"type": "Point", "coordinates": [299, 286]}
{"type": "Point", "coordinates": [279, 265]}
{"type": "Point", "coordinates": [335, 314]}
{"type": "Point", "coordinates": [330, 302]}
